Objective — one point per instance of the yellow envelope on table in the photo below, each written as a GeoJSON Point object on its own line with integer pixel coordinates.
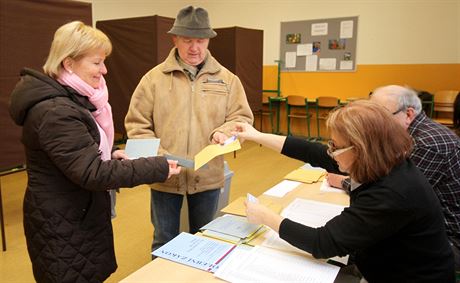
{"type": "Point", "coordinates": [237, 206]}
{"type": "Point", "coordinates": [305, 175]}
{"type": "Point", "coordinates": [213, 150]}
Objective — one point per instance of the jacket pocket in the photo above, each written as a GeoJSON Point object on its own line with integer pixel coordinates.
{"type": "Point", "coordinates": [217, 88]}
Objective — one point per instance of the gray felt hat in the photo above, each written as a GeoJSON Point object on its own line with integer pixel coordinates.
{"type": "Point", "coordinates": [193, 22]}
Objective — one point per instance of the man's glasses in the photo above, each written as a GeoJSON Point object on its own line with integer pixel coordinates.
{"type": "Point", "coordinates": [399, 110]}
{"type": "Point", "coordinates": [333, 151]}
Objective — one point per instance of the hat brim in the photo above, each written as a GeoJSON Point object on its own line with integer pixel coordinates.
{"type": "Point", "coordinates": [193, 33]}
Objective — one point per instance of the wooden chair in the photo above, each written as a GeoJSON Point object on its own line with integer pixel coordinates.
{"type": "Point", "coordinates": [324, 104]}
{"type": "Point", "coordinates": [297, 107]}
{"type": "Point", "coordinates": [262, 113]}
{"type": "Point", "coordinates": [444, 106]}
{"type": "Point", "coordinates": [427, 100]}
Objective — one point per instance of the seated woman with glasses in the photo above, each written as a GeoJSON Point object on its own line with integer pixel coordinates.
{"type": "Point", "coordinates": [394, 225]}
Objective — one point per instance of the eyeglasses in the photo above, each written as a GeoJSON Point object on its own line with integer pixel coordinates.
{"type": "Point", "coordinates": [399, 110]}
{"type": "Point", "coordinates": [333, 151]}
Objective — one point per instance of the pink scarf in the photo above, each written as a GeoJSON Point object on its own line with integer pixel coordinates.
{"type": "Point", "coordinates": [99, 97]}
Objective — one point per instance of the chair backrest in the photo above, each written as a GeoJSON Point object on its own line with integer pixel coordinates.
{"type": "Point", "coordinates": [295, 100]}
{"type": "Point", "coordinates": [265, 97]}
{"type": "Point", "coordinates": [445, 96]}
{"type": "Point", "coordinates": [444, 100]}
{"type": "Point", "coordinates": [327, 101]}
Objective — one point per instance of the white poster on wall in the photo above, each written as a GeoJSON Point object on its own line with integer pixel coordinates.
{"type": "Point", "coordinates": [327, 64]}
{"type": "Point", "coordinates": [319, 29]}
{"type": "Point", "coordinates": [311, 63]}
{"type": "Point", "coordinates": [304, 49]}
{"type": "Point", "coordinates": [290, 59]}
{"type": "Point", "coordinates": [346, 65]}
{"type": "Point", "coordinates": [346, 29]}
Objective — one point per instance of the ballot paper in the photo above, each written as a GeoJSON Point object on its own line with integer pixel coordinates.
{"type": "Point", "coordinates": [307, 212]}
{"type": "Point", "coordinates": [195, 251]}
{"type": "Point", "coordinates": [232, 228]}
{"type": "Point", "coordinates": [251, 198]}
{"type": "Point", "coordinates": [181, 161]}
{"type": "Point", "coordinates": [261, 264]}
{"type": "Point", "coordinates": [137, 148]}
{"type": "Point", "coordinates": [282, 188]}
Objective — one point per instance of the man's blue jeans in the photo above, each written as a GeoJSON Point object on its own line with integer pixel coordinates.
{"type": "Point", "coordinates": [165, 213]}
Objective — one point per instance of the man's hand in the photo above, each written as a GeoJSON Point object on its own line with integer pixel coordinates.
{"type": "Point", "coordinates": [219, 138]}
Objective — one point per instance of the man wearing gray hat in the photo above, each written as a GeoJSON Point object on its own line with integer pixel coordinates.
{"type": "Point", "coordinates": [189, 101]}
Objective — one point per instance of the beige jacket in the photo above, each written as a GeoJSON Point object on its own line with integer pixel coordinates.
{"type": "Point", "coordinates": [185, 114]}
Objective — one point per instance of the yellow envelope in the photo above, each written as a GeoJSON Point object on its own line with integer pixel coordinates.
{"type": "Point", "coordinates": [213, 150]}
{"type": "Point", "coordinates": [237, 206]}
{"type": "Point", "coordinates": [305, 175]}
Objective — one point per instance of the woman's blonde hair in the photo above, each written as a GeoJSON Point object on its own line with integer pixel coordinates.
{"type": "Point", "coordinates": [74, 40]}
{"type": "Point", "coordinates": [378, 140]}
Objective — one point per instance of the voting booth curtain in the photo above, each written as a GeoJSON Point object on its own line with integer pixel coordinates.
{"type": "Point", "coordinates": [26, 30]}
{"type": "Point", "coordinates": [139, 44]}
{"type": "Point", "coordinates": [241, 51]}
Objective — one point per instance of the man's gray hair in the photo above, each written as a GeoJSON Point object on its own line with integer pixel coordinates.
{"type": "Point", "coordinates": [408, 97]}
{"type": "Point", "coordinates": [404, 96]}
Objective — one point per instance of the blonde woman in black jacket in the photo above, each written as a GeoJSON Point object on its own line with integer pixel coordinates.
{"type": "Point", "coordinates": [68, 137]}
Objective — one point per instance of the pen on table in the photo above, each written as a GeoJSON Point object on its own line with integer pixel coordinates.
{"type": "Point", "coordinates": [224, 255]}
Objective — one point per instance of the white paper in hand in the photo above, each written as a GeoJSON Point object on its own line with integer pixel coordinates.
{"type": "Point", "coordinates": [252, 198]}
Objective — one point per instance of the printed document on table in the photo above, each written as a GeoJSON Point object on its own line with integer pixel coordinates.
{"type": "Point", "coordinates": [307, 212]}
{"type": "Point", "coordinates": [282, 188]}
{"type": "Point", "coordinates": [307, 166]}
{"type": "Point", "coordinates": [137, 148]}
{"type": "Point", "coordinates": [312, 213]}
{"type": "Point", "coordinates": [262, 264]}
{"type": "Point", "coordinates": [233, 225]}
{"type": "Point", "coordinates": [199, 252]}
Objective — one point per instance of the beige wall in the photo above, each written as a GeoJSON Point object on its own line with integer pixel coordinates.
{"type": "Point", "coordinates": [389, 31]}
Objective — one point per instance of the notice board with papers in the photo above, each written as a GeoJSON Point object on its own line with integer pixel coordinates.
{"type": "Point", "coordinates": [322, 45]}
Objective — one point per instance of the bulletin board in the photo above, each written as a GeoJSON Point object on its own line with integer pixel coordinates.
{"type": "Point", "coordinates": [322, 45]}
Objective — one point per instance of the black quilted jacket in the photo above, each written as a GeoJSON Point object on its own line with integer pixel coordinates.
{"type": "Point", "coordinates": [66, 205]}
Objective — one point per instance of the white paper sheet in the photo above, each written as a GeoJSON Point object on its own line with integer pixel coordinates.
{"type": "Point", "coordinates": [327, 63]}
{"type": "Point", "coordinates": [346, 29]}
{"type": "Point", "coordinates": [319, 29]}
{"type": "Point", "coordinates": [267, 265]}
{"type": "Point", "coordinates": [290, 59]}
{"type": "Point", "coordinates": [311, 213]}
{"type": "Point", "coordinates": [346, 65]}
{"type": "Point", "coordinates": [311, 63]}
{"type": "Point", "coordinates": [282, 188]}
{"type": "Point", "coordinates": [273, 240]}
{"type": "Point", "coordinates": [307, 166]}
{"type": "Point", "coordinates": [304, 49]}
{"type": "Point", "coordinates": [199, 252]}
